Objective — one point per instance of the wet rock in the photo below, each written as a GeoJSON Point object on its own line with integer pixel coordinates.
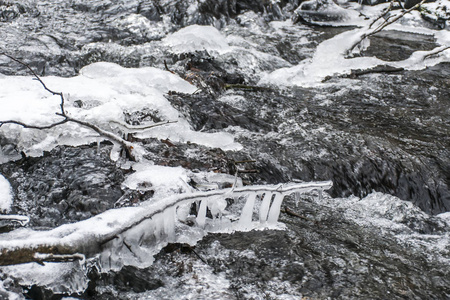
{"type": "Point", "coordinates": [127, 279]}
{"type": "Point", "coordinates": [65, 185]}
{"type": "Point", "coordinates": [205, 113]}
{"type": "Point", "coordinates": [188, 155]}
{"type": "Point", "coordinates": [151, 10]}
{"type": "Point", "coordinates": [321, 255]}
{"type": "Point", "coordinates": [394, 45]}
{"type": "Point", "coordinates": [320, 12]}
{"type": "Point", "coordinates": [9, 10]}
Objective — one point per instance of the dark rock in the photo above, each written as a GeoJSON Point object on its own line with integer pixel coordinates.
{"type": "Point", "coordinates": [65, 185]}
{"type": "Point", "coordinates": [150, 10]}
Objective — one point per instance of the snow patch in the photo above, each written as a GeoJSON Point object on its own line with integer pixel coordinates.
{"type": "Point", "coordinates": [330, 58]}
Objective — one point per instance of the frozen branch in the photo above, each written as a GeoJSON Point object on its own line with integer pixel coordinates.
{"type": "Point", "coordinates": [138, 128]}
{"type": "Point", "coordinates": [92, 236]}
{"type": "Point", "coordinates": [21, 220]}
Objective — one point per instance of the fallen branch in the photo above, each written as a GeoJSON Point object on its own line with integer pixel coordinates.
{"type": "Point", "coordinates": [90, 237]}
{"type": "Point", "coordinates": [359, 72]}
{"type": "Point", "coordinates": [40, 258]}
{"type": "Point", "coordinates": [383, 15]}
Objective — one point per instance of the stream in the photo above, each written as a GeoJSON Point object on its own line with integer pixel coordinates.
{"type": "Point", "coordinates": [382, 138]}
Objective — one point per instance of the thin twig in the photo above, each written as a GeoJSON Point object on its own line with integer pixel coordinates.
{"type": "Point", "coordinates": [24, 125]}
{"type": "Point", "coordinates": [60, 94]}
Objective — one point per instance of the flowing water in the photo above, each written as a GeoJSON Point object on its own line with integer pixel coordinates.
{"type": "Point", "coordinates": [383, 138]}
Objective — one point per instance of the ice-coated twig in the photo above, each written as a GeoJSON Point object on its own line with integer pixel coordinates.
{"type": "Point", "coordinates": [65, 117]}
{"type": "Point", "coordinates": [384, 14]}
{"type": "Point", "coordinates": [435, 51]}
{"type": "Point", "coordinates": [138, 128]}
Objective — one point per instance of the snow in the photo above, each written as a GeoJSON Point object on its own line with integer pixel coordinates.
{"type": "Point", "coordinates": [197, 38]}
{"type": "Point", "coordinates": [6, 197]}
{"type": "Point", "coordinates": [105, 91]}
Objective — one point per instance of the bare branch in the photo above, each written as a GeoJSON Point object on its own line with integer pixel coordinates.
{"type": "Point", "coordinates": [109, 135]}
{"type": "Point", "coordinates": [38, 79]}
{"type": "Point", "coordinates": [24, 125]}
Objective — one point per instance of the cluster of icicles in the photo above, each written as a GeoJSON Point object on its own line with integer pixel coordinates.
{"type": "Point", "coordinates": [189, 220]}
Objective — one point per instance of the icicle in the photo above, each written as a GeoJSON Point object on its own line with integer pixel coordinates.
{"type": "Point", "coordinates": [264, 209]}
{"type": "Point", "coordinates": [169, 223]}
{"type": "Point", "coordinates": [201, 215]}
{"type": "Point", "coordinates": [297, 197]}
{"type": "Point", "coordinates": [320, 194]}
{"type": "Point", "coordinates": [245, 221]}
{"type": "Point", "coordinates": [158, 223]}
{"type": "Point", "coordinates": [274, 212]}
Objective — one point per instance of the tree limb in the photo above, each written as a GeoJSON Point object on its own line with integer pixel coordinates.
{"type": "Point", "coordinates": [91, 236]}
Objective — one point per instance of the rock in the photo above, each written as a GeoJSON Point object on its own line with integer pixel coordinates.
{"type": "Point", "coordinates": [321, 12]}
{"type": "Point", "coordinates": [65, 185]}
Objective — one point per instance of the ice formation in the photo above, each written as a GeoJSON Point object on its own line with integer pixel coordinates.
{"type": "Point", "coordinates": [101, 94]}
{"type": "Point", "coordinates": [197, 38]}
{"type": "Point", "coordinates": [331, 56]}
{"type": "Point", "coordinates": [132, 235]}
{"type": "Point", "coordinates": [6, 197]}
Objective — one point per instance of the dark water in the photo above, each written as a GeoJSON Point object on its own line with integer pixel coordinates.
{"type": "Point", "coordinates": [383, 132]}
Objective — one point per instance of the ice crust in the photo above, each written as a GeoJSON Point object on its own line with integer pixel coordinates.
{"type": "Point", "coordinates": [104, 91]}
